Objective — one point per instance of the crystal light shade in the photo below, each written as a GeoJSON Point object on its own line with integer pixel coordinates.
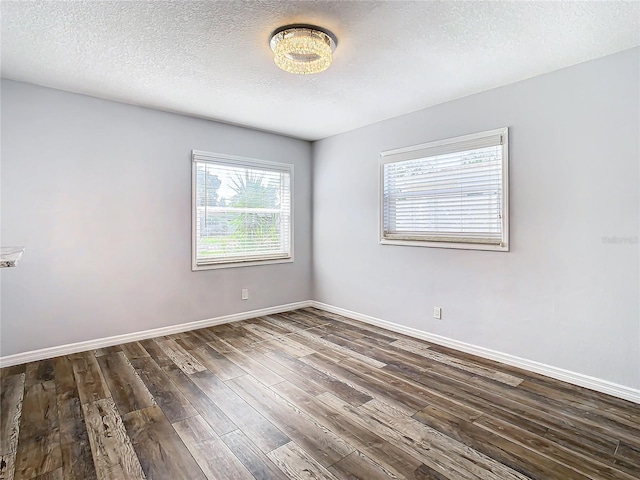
{"type": "Point", "coordinates": [302, 49]}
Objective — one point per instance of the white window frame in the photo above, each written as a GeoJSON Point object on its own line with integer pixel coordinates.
{"type": "Point", "coordinates": [198, 156]}
{"type": "Point", "coordinates": [450, 145]}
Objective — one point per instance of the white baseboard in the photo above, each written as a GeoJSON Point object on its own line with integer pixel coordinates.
{"type": "Point", "coordinates": [574, 378]}
{"type": "Point", "coordinates": [604, 386]}
{"type": "Point", "coordinates": [51, 352]}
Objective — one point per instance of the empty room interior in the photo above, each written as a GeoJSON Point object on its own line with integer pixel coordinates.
{"type": "Point", "coordinates": [345, 240]}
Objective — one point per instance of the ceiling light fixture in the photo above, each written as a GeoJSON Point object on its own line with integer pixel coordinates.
{"type": "Point", "coordinates": [302, 49]}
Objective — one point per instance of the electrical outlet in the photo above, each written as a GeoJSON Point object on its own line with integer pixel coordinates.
{"type": "Point", "coordinates": [245, 294]}
{"type": "Point", "coordinates": [437, 313]}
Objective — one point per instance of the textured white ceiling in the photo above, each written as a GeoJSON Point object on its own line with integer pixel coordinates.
{"type": "Point", "coordinates": [212, 59]}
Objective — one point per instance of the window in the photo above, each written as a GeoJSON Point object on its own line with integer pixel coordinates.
{"type": "Point", "coordinates": [242, 211]}
{"type": "Point", "coordinates": [451, 193]}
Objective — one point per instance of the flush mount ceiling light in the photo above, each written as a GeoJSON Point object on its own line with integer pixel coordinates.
{"type": "Point", "coordinates": [302, 49]}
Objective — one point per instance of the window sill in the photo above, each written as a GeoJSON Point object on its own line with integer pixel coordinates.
{"type": "Point", "coordinates": [215, 266]}
{"type": "Point", "coordinates": [455, 245]}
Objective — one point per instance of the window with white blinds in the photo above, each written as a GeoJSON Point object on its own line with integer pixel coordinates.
{"type": "Point", "coordinates": [452, 193]}
{"type": "Point", "coordinates": [242, 211]}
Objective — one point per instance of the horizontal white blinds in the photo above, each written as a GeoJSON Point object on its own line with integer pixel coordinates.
{"type": "Point", "coordinates": [448, 193]}
{"type": "Point", "coordinates": [242, 211]}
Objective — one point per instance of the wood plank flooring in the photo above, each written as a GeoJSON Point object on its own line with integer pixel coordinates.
{"type": "Point", "coordinates": [304, 395]}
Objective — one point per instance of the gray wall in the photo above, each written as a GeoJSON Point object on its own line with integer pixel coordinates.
{"type": "Point", "coordinates": [100, 194]}
{"type": "Point", "coordinates": [561, 296]}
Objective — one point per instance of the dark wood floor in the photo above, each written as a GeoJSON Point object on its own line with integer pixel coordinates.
{"type": "Point", "coordinates": [304, 395]}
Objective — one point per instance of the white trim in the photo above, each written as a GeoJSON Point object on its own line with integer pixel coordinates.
{"type": "Point", "coordinates": [51, 352]}
{"type": "Point", "coordinates": [212, 266]}
{"type": "Point", "coordinates": [202, 156]}
{"type": "Point", "coordinates": [603, 386]}
{"type": "Point", "coordinates": [470, 141]}
{"type": "Point", "coordinates": [458, 245]}
{"type": "Point", "coordinates": [498, 136]}
{"type": "Point", "coordinates": [198, 156]}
